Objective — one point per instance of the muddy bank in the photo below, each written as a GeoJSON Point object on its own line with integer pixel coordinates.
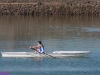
{"type": "Point", "coordinates": [49, 7]}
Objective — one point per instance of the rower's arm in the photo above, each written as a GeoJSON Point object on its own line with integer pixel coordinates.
{"type": "Point", "coordinates": [38, 46]}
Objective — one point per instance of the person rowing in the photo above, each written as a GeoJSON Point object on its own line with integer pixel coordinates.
{"type": "Point", "coordinates": [39, 48]}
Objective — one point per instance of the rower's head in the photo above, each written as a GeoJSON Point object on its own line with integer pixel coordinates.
{"type": "Point", "coordinates": [39, 42]}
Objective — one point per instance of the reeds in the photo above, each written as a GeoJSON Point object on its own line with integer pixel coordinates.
{"type": "Point", "coordinates": [49, 7]}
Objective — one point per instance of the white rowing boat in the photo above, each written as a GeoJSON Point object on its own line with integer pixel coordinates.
{"type": "Point", "coordinates": [53, 54]}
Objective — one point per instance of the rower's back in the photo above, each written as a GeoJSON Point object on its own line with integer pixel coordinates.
{"type": "Point", "coordinates": [41, 49]}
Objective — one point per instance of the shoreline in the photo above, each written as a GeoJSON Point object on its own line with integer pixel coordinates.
{"type": "Point", "coordinates": [52, 7]}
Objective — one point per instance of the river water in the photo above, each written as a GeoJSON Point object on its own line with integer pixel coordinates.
{"type": "Point", "coordinates": [67, 33]}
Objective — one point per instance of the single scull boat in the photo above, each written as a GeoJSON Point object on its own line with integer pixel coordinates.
{"type": "Point", "coordinates": [53, 54]}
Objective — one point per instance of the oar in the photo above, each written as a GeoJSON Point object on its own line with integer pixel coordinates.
{"type": "Point", "coordinates": [48, 55]}
{"type": "Point", "coordinates": [44, 53]}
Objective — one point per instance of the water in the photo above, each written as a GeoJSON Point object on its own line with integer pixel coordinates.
{"type": "Point", "coordinates": [68, 33]}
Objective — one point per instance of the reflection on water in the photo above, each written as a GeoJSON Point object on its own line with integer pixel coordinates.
{"type": "Point", "coordinates": [23, 31]}
{"type": "Point", "coordinates": [44, 27]}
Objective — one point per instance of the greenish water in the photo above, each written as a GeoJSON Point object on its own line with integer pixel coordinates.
{"type": "Point", "coordinates": [68, 33]}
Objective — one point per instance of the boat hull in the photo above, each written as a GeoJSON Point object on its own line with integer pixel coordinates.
{"type": "Point", "coordinates": [54, 54]}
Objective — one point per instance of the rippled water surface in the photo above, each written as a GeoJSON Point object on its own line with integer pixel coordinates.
{"type": "Point", "coordinates": [68, 33]}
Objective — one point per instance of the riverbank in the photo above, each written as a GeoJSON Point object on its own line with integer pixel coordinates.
{"type": "Point", "coordinates": [49, 7]}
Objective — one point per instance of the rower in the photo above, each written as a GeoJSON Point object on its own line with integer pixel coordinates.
{"type": "Point", "coordinates": [39, 48]}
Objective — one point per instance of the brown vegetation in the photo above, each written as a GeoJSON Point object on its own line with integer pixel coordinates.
{"type": "Point", "coordinates": [49, 7]}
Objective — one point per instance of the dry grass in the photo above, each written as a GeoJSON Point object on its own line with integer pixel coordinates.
{"type": "Point", "coordinates": [49, 7]}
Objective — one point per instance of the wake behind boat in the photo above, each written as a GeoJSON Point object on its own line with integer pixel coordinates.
{"type": "Point", "coordinates": [53, 54]}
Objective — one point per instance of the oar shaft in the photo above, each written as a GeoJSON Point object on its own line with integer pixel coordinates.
{"type": "Point", "coordinates": [49, 55]}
